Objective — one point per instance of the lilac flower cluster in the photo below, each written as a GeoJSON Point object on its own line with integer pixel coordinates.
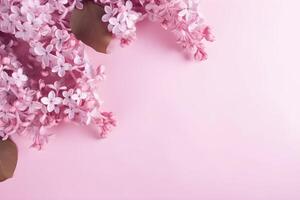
{"type": "Point", "coordinates": [45, 77]}
{"type": "Point", "coordinates": [182, 17]}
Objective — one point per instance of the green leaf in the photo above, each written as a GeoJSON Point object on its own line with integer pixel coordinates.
{"type": "Point", "coordinates": [8, 158]}
{"type": "Point", "coordinates": [87, 26]}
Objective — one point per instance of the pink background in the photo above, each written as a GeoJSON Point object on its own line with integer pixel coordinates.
{"type": "Point", "coordinates": [227, 128]}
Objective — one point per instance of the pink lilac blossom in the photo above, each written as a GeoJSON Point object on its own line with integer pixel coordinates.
{"type": "Point", "coordinates": [182, 17]}
{"type": "Point", "coordinates": [45, 77]}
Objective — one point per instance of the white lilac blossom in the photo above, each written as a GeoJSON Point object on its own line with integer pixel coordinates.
{"type": "Point", "coordinates": [71, 111]}
{"type": "Point", "coordinates": [43, 79]}
{"type": "Point", "coordinates": [79, 96]}
{"type": "Point", "coordinates": [110, 12]}
{"type": "Point", "coordinates": [67, 97]}
{"type": "Point", "coordinates": [61, 36]}
{"type": "Point", "coordinates": [52, 102]}
{"type": "Point", "coordinates": [61, 66]}
{"type": "Point", "coordinates": [18, 77]}
{"type": "Point", "coordinates": [43, 53]}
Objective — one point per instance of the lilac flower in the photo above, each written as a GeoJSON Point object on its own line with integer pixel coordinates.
{"type": "Point", "coordinates": [121, 19]}
{"type": "Point", "coordinates": [24, 31]}
{"type": "Point", "coordinates": [110, 12]}
{"type": "Point", "coordinates": [29, 5]}
{"type": "Point", "coordinates": [68, 97]}
{"type": "Point", "coordinates": [61, 36]}
{"type": "Point", "coordinates": [8, 25]}
{"type": "Point", "coordinates": [45, 14]}
{"type": "Point", "coordinates": [61, 66]}
{"type": "Point", "coordinates": [58, 76]}
{"type": "Point", "coordinates": [182, 17]}
{"type": "Point", "coordinates": [78, 96]}
{"type": "Point", "coordinates": [9, 20]}
{"type": "Point", "coordinates": [33, 21]}
{"type": "Point", "coordinates": [41, 26]}
{"type": "Point", "coordinates": [186, 11]}
{"type": "Point", "coordinates": [117, 25]}
{"type": "Point", "coordinates": [15, 12]}
{"type": "Point", "coordinates": [19, 78]}
{"type": "Point", "coordinates": [44, 53]}
{"type": "Point", "coordinates": [129, 15]}
{"type": "Point", "coordinates": [71, 111]}
{"type": "Point", "coordinates": [52, 102]}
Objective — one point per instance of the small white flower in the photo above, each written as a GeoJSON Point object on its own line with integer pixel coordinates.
{"type": "Point", "coordinates": [61, 66]}
{"type": "Point", "coordinates": [34, 21]}
{"type": "Point", "coordinates": [187, 10]}
{"type": "Point", "coordinates": [79, 96]}
{"type": "Point", "coordinates": [24, 31]}
{"type": "Point", "coordinates": [68, 96]}
{"type": "Point", "coordinates": [52, 101]}
{"type": "Point", "coordinates": [29, 5]}
{"type": "Point", "coordinates": [117, 24]}
{"type": "Point", "coordinates": [71, 111]}
{"type": "Point", "coordinates": [129, 15]}
{"type": "Point", "coordinates": [44, 53]}
{"type": "Point", "coordinates": [61, 36]}
{"type": "Point", "coordinates": [109, 12]}
{"type": "Point", "coordinates": [19, 78]}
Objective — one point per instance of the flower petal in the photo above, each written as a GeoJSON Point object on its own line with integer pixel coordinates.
{"type": "Point", "coordinates": [45, 100]}
{"type": "Point", "coordinates": [57, 100]}
{"type": "Point", "coordinates": [50, 107]}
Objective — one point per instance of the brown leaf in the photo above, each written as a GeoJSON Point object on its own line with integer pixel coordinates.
{"type": "Point", "coordinates": [87, 26]}
{"type": "Point", "coordinates": [8, 159]}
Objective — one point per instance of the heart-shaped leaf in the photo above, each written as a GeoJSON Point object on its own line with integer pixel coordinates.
{"type": "Point", "coordinates": [8, 158]}
{"type": "Point", "coordinates": [87, 26]}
